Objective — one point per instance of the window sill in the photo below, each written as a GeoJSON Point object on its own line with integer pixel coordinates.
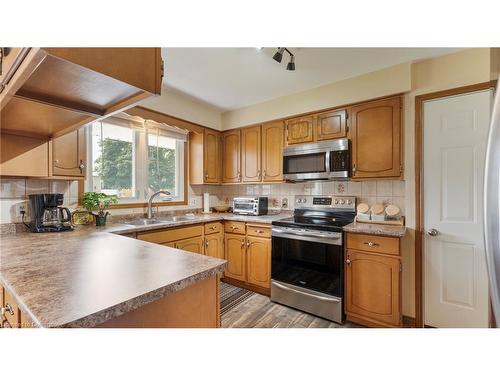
{"type": "Point", "coordinates": [145, 204]}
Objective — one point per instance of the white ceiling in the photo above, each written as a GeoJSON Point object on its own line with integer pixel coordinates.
{"type": "Point", "coordinates": [231, 78]}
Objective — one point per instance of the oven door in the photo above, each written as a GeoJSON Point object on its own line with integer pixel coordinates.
{"type": "Point", "coordinates": [314, 263]}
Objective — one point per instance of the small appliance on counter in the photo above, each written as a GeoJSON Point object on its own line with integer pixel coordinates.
{"type": "Point", "coordinates": [250, 206]}
{"type": "Point", "coordinates": [47, 215]}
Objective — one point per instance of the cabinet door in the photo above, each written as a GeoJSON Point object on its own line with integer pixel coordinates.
{"type": "Point", "coordinates": [331, 125]}
{"type": "Point", "coordinates": [68, 154]}
{"type": "Point", "coordinates": [231, 156]}
{"type": "Point", "coordinates": [250, 154]}
{"type": "Point", "coordinates": [373, 287]}
{"type": "Point", "coordinates": [194, 245]}
{"type": "Point", "coordinates": [214, 245]}
{"type": "Point", "coordinates": [211, 156]}
{"type": "Point", "coordinates": [272, 152]}
{"type": "Point", "coordinates": [234, 246]}
{"type": "Point", "coordinates": [376, 139]}
{"type": "Point", "coordinates": [299, 130]}
{"type": "Point", "coordinates": [259, 261]}
{"type": "Point", "coordinates": [23, 156]}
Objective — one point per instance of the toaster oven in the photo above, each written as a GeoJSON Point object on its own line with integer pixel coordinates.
{"type": "Point", "coordinates": [250, 206]}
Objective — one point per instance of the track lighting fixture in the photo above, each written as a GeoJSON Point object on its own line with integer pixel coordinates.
{"type": "Point", "coordinates": [291, 64]}
{"type": "Point", "coordinates": [278, 56]}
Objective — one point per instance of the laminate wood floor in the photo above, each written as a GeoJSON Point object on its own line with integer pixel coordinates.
{"type": "Point", "coordinates": [259, 312]}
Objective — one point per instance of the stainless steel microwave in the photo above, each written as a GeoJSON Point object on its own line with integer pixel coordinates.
{"type": "Point", "coordinates": [329, 160]}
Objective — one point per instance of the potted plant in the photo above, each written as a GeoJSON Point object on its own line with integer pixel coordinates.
{"type": "Point", "coordinates": [98, 202]}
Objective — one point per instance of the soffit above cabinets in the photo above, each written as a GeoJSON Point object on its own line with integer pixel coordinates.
{"type": "Point", "coordinates": [57, 90]}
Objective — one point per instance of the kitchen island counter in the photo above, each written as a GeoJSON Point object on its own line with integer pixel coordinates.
{"type": "Point", "coordinates": [87, 277]}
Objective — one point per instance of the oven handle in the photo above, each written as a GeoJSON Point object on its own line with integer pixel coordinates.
{"type": "Point", "coordinates": [328, 299]}
{"type": "Point", "coordinates": [283, 233]}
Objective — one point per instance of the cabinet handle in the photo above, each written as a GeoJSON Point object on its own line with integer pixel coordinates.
{"type": "Point", "coordinates": [348, 262]}
{"type": "Point", "coordinates": [371, 244]}
{"type": "Point", "coordinates": [81, 166]}
{"type": "Point", "coordinates": [248, 244]}
{"type": "Point", "coordinates": [354, 169]}
{"type": "Point", "coordinates": [214, 227]}
{"type": "Point", "coordinates": [258, 174]}
{"type": "Point", "coordinates": [9, 309]}
{"type": "Point", "coordinates": [206, 175]}
{"type": "Point", "coordinates": [206, 243]}
{"type": "Point", "coordinates": [259, 231]}
{"type": "Point", "coordinates": [264, 174]}
{"type": "Point", "coordinates": [242, 244]}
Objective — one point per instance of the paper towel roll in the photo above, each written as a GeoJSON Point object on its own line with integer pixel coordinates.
{"type": "Point", "coordinates": [206, 203]}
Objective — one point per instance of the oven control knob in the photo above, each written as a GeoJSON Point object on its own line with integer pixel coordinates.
{"type": "Point", "coordinates": [304, 200]}
{"type": "Point", "coordinates": [335, 201]}
{"type": "Point", "coordinates": [348, 202]}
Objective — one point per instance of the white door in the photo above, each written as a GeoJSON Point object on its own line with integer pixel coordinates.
{"type": "Point", "coordinates": [456, 281]}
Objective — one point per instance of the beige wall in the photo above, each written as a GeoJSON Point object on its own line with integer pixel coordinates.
{"type": "Point", "coordinates": [393, 80]}
{"type": "Point", "coordinates": [459, 69]}
{"type": "Point", "coordinates": [185, 107]}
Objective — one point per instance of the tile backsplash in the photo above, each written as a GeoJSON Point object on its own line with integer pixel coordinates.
{"type": "Point", "coordinates": [14, 193]}
{"type": "Point", "coordinates": [366, 191]}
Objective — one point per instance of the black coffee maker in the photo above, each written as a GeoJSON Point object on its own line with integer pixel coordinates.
{"type": "Point", "coordinates": [47, 215]}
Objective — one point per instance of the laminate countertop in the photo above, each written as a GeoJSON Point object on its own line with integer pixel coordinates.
{"type": "Point", "coordinates": [376, 229]}
{"type": "Point", "coordinates": [87, 276]}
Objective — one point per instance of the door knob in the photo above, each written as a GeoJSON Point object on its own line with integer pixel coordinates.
{"type": "Point", "coordinates": [433, 232]}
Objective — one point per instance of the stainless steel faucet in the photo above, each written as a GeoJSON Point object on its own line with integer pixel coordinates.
{"type": "Point", "coordinates": [150, 201]}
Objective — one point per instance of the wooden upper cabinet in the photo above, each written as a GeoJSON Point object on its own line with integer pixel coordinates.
{"type": "Point", "coordinates": [23, 156]}
{"type": "Point", "coordinates": [259, 261]}
{"type": "Point", "coordinates": [300, 130]}
{"type": "Point", "coordinates": [376, 139]}
{"type": "Point", "coordinates": [373, 287]}
{"type": "Point", "coordinates": [234, 247]}
{"type": "Point", "coordinates": [272, 151]}
{"type": "Point", "coordinates": [53, 91]}
{"type": "Point", "coordinates": [69, 154]}
{"type": "Point", "coordinates": [251, 154]}
{"type": "Point", "coordinates": [331, 125]}
{"type": "Point", "coordinates": [211, 156]}
{"type": "Point", "coordinates": [231, 156]}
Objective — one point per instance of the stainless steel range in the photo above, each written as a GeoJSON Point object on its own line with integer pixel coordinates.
{"type": "Point", "coordinates": [307, 270]}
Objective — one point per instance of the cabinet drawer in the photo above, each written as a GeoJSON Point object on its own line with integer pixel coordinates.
{"type": "Point", "coordinates": [12, 314]}
{"type": "Point", "coordinates": [169, 235]}
{"type": "Point", "coordinates": [213, 227]}
{"type": "Point", "coordinates": [376, 244]}
{"type": "Point", "coordinates": [258, 231]}
{"type": "Point", "coordinates": [234, 227]}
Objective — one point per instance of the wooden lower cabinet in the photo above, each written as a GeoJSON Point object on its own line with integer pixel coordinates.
{"type": "Point", "coordinates": [373, 289]}
{"type": "Point", "coordinates": [248, 257]}
{"type": "Point", "coordinates": [259, 261]}
{"type": "Point", "coordinates": [234, 246]}
{"type": "Point", "coordinates": [214, 245]}
{"type": "Point", "coordinates": [194, 245]}
{"type": "Point", "coordinates": [12, 317]}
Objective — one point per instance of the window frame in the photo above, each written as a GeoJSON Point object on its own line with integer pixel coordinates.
{"type": "Point", "coordinates": [140, 159]}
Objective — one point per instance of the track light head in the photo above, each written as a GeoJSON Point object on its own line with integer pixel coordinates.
{"type": "Point", "coordinates": [279, 54]}
{"type": "Point", "coordinates": [291, 64]}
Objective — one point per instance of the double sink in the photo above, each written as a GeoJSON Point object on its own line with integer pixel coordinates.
{"type": "Point", "coordinates": [159, 220]}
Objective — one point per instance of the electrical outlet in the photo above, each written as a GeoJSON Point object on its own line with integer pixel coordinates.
{"type": "Point", "coordinates": [192, 202]}
{"type": "Point", "coordinates": [21, 209]}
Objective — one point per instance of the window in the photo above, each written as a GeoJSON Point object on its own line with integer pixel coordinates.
{"type": "Point", "coordinates": [135, 158]}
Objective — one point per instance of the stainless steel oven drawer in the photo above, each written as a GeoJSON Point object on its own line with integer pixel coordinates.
{"type": "Point", "coordinates": [320, 304]}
